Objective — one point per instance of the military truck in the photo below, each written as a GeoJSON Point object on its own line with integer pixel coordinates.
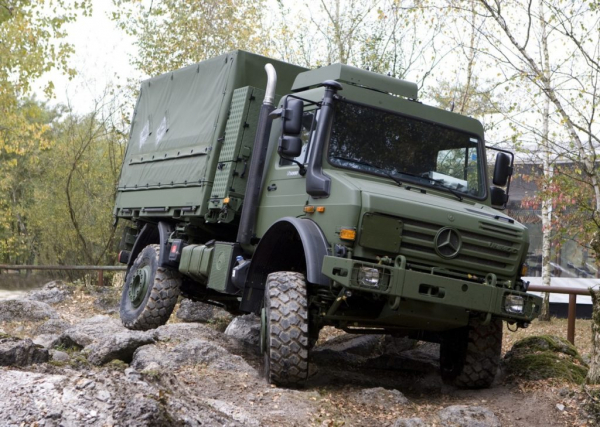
{"type": "Point", "coordinates": [346, 203]}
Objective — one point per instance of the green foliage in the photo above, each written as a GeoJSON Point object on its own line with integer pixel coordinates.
{"type": "Point", "coordinates": [81, 172]}
{"type": "Point", "coordinates": [30, 31]}
{"type": "Point", "coordinates": [173, 33]}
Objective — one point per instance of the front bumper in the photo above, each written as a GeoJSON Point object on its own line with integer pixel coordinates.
{"type": "Point", "coordinates": [435, 288]}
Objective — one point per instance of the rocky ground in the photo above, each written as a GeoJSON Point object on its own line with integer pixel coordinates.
{"type": "Point", "coordinates": [65, 360]}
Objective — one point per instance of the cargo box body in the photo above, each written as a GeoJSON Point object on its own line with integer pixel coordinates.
{"type": "Point", "coordinates": [192, 134]}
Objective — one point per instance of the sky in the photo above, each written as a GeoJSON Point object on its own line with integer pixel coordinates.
{"type": "Point", "coordinates": [101, 58]}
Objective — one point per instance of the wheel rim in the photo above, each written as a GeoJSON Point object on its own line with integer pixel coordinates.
{"type": "Point", "coordinates": [139, 285]}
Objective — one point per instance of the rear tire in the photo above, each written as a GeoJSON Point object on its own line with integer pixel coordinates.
{"type": "Point", "coordinates": [150, 292]}
{"type": "Point", "coordinates": [470, 356]}
{"type": "Point", "coordinates": [286, 338]}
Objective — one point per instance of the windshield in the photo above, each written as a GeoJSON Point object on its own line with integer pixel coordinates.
{"type": "Point", "coordinates": [406, 149]}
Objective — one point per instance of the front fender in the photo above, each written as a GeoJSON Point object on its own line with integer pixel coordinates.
{"type": "Point", "coordinates": [290, 244]}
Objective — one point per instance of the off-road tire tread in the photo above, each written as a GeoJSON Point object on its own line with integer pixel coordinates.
{"type": "Point", "coordinates": [162, 300]}
{"type": "Point", "coordinates": [482, 357]}
{"type": "Point", "coordinates": [286, 302]}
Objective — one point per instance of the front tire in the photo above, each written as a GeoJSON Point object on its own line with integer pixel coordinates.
{"type": "Point", "coordinates": [470, 356]}
{"type": "Point", "coordinates": [285, 329]}
{"type": "Point", "coordinates": [150, 292]}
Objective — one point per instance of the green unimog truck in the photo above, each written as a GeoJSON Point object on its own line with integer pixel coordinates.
{"type": "Point", "coordinates": [319, 197]}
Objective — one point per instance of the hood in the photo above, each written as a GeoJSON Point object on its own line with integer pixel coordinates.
{"type": "Point", "coordinates": [485, 241]}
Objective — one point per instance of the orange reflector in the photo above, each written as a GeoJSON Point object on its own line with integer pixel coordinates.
{"type": "Point", "coordinates": [309, 209]}
{"type": "Point", "coordinates": [524, 270]}
{"type": "Point", "coordinates": [347, 234]}
{"type": "Point", "coordinates": [226, 200]}
{"type": "Point", "coordinates": [320, 209]}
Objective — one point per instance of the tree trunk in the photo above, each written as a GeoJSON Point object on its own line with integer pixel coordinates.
{"type": "Point", "coordinates": [593, 376]}
{"type": "Point", "coordinates": [547, 200]}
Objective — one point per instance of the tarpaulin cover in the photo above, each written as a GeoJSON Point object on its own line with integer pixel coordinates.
{"type": "Point", "coordinates": [179, 120]}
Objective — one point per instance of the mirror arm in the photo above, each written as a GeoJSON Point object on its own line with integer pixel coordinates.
{"type": "Point", "coordinates": [302, 168]}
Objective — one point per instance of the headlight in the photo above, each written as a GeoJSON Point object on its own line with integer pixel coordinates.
{"type": "Point", "coordinates": [369, 277]}
{"type": "Point", "coordinates": [514, 304]}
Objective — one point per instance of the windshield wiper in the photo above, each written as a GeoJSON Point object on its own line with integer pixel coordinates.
{"type": "Point", "coordinates": [439, 183]}
{"type": "Point", "coordinates": [364, 163]}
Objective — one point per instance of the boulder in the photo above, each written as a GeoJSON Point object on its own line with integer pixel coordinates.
{"type": "Point", "coordinates": [52, 292]}
{"type": "Point", "coordinates": [119, 346]}
{"type": "Point", "coordinates": [245, 328]}
{"type": "Point", "coordinates": [59, 356]}
{"type": "Point", "coordinates": [543, 357]}
{"type": "Point", "coordinates": [199, 312]}
{"type": "Point", "coordinates": [192, 352]}
{"type": "Point", "coordinates": [468, 416]}
{"type": "Point", "coordinates": [183, 332]}
{"type": "Point", "coordinates": [396, 345]}
{"type": "Point", "coordinates": [96, 400]}
{"type": "Point", "coordinates": [18, 352]}
{"type": "Point", "coordinates": [379, 396]}
{"type": "Point", "coordinates": [52, 326]}
{"type": "Point", "coordinates": [47, 341]}
{"type": "Point", "coordinates": [89, 331]}
{"type": "Point", "coordinates": [27, 310]}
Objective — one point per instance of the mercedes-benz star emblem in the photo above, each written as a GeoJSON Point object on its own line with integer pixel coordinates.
{"type": "Point", "coordinates": [447, 242]}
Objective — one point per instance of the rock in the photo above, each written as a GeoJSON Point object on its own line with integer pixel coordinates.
{"type": "Point", "coordinates": [397, 345]}
{"type": "Point", "coordinates": [410, 422]}
{"type": "Point", "coordinates": [424, 357]}
{"type": "Point", "coordinates": [90, 330]}
{"type": "Point", "coordinates": [245, 328]}
{"type": "Point", "coordinates": [468, 416]}
{"type": "Point", "coordinates": [361, 345]}
{"type": "Point", "coordinates": [59, 356]}
{"type": "Point", "coordinates": [380, 396]}
{"type": "Point", "coordinates": [234, 411]}
{"type": "Point", "coordinates": [183, 332]}
{"type": "Point", "coordinates": [29, 310]}
{"type": "Point", "coordinates": [73, 399]}
{"type": "Point", "coordinates": [196, 311]}
{"type": "Point", "coordinates": [560, 407]}
{"type": "Point", "coordinates": [544, 357]}
{"type": "Point", "coordinates": [348, 349]}
{"type": "Point", "coordinates": [18, 352]}
{"type": "Point", "coordinates": [192, 352]}
{"type": "Point", "coordinates": [47, 341]}
{"type": "Point", "coordinates": [52, 293]}
{"type": "Point", "coordinates": [119, 346]}
{"type": "Point", "coordinates": [52, 326]}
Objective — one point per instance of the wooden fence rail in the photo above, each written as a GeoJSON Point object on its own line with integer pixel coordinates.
{"type": "Point", "coordinates": [100, 268]}
{"type": "Point", "coordinates": [572, 292]}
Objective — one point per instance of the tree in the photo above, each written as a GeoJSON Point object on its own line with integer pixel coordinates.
{"type": "Point", "coordinates": [174, 33]}
{"type": "Point", "coordinates": [30, 33]}
{"type": "Point", "coordinates": [78, 187]}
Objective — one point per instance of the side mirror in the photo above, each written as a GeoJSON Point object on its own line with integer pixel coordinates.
{"type": "Point", "coordinates": [499, 197]}
{"type": "Point", "coordinates": [502, 170]}
{"type": "Point", "coordinates": [292, 117]}
{"type": "Point", "coordinates": [289, 146]}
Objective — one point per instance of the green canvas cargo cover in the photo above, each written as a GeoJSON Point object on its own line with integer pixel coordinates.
{"type": "Point", "coordinates": [178, 124]}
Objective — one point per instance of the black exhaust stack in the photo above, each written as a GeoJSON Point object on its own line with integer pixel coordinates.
{"type": "Point", "coordinates": [257, 164]}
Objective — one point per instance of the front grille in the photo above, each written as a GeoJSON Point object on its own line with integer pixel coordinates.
{"type": "Point", "coordinates": [493, 249]}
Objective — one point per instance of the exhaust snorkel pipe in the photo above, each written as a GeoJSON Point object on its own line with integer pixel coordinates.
{"type": "Point", "coordinates": [257, 164]}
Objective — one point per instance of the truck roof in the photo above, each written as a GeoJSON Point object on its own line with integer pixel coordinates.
{"type": "Point", "coordinates": [357, 77]}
